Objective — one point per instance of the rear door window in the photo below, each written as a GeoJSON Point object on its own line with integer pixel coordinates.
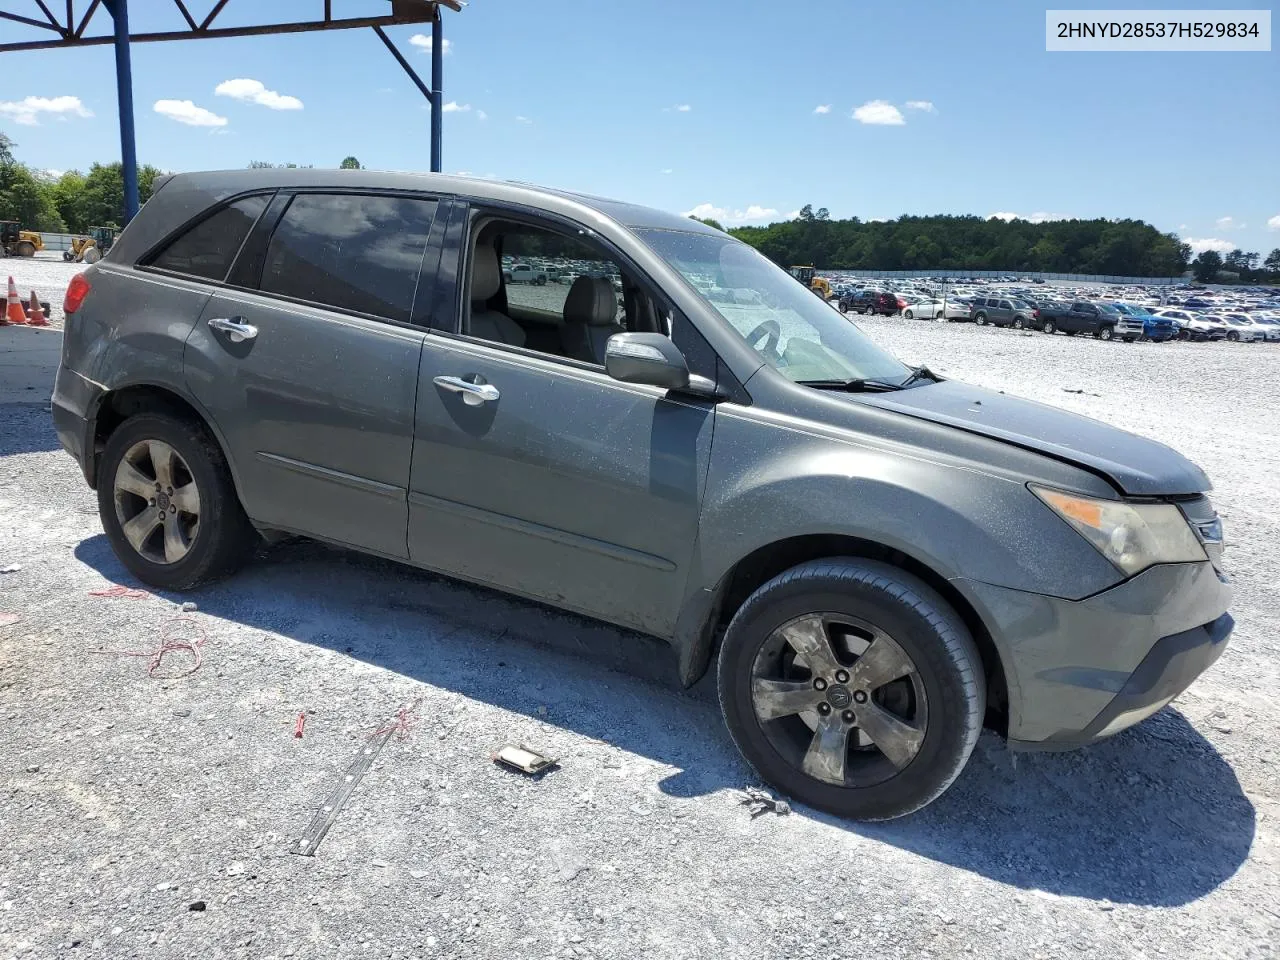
{"type": "Point", "coordinates": [357, 253]}
{"type": "Point", "coordinates": [207, 249]}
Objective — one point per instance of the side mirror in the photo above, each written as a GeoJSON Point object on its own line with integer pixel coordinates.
{"type": "Point", "coordinates": [646, 358]}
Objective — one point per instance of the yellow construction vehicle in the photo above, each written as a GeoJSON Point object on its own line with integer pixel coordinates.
{"type": "Point", "coordinates": [92, 248]}
{"type": "Point", "coordinates": [818, 285]}
{"type": "Point", "coordinates": [17, 242]}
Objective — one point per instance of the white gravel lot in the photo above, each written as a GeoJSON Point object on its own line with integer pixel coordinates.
{"type": "Point", "coordinates": [124, 799]}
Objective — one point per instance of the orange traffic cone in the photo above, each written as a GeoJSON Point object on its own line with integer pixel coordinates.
{"type": "Point", "coordinates": [35, 315]}
{"type": "Point", "coordinates": [13, 312]}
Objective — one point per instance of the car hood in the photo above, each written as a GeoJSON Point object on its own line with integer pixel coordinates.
{"type": "Point", "coordinates": [1132, 464]}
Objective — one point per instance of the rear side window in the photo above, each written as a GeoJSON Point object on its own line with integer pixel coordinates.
{"type": "Point", "coordinates": [358, 253]}
{"type": "Point", "coordinates": [207, 249]}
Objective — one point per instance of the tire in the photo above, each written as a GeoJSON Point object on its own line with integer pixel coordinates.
{"type": "Point", "coordinates": [1233, 337]}
{"type": "Point", "coordinates": [68, 256]}
{"type": "Point", "coordinates": [1018, 324]}
{"type": "Point", "coordinates": [941, 704]}
{"type": "Point", "coordinates": [1048, 326]}
{"type": "Point", "coordinates": [92, 255]}
{"type": "Point", "coordinates": [909, 315]}
{"type": "Point", "coordinates": [842, 307]}
{"type": "Point", "coordinates": [980, 319]}
{"type": "Point", "coordinates": [221, 540]}
{"type": "Point", "coordinates": [25, 248]}
{"type": "Point", "coordinates": [1105, 333]}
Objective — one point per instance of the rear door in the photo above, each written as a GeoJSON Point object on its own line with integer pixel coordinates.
{"type": "Point", "coordinates": [307, 361]}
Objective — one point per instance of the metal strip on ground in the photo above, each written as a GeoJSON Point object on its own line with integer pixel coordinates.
{"type": "Point", "coordinates": [337, 799]}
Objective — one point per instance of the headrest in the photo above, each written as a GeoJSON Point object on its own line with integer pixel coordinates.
{"type": "Point", "coordinates": [486, 276]}
{"type": "Point", "coordinates": [591, 301]}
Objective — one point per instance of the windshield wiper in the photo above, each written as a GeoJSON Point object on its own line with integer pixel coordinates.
{"type": "Point", "coordinates": [920, 373]}
{"type": "Point", "coordinates": [859, 385]}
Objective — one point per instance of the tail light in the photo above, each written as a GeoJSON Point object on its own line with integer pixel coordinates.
{"type": "Point", "coordinates": [1036, 313]}
{"type": "Point", "coordinates": [77, 290]}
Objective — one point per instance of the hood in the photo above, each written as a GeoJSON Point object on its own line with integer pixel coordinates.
{"type": "Point", "coordinates": [1132, 464]}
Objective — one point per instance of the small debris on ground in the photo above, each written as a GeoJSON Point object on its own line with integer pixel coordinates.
{"type": "Point", "coordinates": [1080, 391]}
{"type": "Point", "coordinates": [524, 760]}
{"type": "Point", "coordinates": [120, 591]}
{"type": "Point", "coordinates": [300, 725]}
{"type": "Point", "coordinates": [11, 568]}
{"type": "Point", "coordinates": [189, 607]}
{"type": "Point", "coordinates": [761, 802]}
{"type": "Point", "coordinates": [8, 619]}
{"type": "Point", "coordinates": [196, 906]}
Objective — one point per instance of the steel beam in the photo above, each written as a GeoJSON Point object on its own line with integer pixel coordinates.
{"type": "Point", "coordinates": [437, 94]}
{"type": "Point", "coordinates": [119, 10]}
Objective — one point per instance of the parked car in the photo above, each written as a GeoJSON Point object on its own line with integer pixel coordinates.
{"type": "Point", "coordinates": [1002, 312]}
{"type": "Point", "coordinates": [878, 558]}
{"type": "Point", "coordinates": [1099, 319]}
{"type": "Point", "coordinates": [526, 273]}
{"type": "Point", "coordinates": [1244, 327]}
{"type": "Point", "coordinates": [1047, 314]}
{"type": "Point", "coordinates": [1154, 327]}
{"type": "Point", "coordinates": [926, 310]}
{"type": "Point", "coordinates": [870, 301]}
{"type": "Point", "coordinates": [1194, 326]}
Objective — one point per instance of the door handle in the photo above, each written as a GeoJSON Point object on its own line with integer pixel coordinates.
{"type": "Point", "coordinates": [235, 328]}
{"type": "Point", "coordinates": [473, 394]}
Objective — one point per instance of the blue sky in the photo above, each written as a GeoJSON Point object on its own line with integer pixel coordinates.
{"type": "Point", "coordinates": [707, 105]}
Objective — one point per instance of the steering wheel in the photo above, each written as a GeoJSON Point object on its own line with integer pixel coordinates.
{"type": "Point", "coordinates": [771, 333]}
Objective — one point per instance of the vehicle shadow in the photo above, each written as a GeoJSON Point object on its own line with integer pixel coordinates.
{"type": "Point", "coordinates": [1154, 816]}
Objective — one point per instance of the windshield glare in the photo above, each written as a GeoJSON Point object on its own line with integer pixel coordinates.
{"type": "Point", "coordinates": [790, 328]}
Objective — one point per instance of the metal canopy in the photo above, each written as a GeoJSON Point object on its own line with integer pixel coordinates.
{"type": "Point", "coordinates": [71, 31]}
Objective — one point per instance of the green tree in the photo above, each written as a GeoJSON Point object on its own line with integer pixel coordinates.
{"type": "Point", "coordinates": [350, 163]}
{"type": "Point", "coordinates": [6, 150]}
{"type": "Point", "coordinates": [1272, 263]}
{"type": "Point", "coordinates": [1206, 266]}
{"type": "Point", "coordinates": [709, 221]}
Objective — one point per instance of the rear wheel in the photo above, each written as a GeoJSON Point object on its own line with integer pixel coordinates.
{"type": "Point", "coordinates": [980, 319]}
{"type": "Point", "coordinates": [909, 315]}
{"type": "Point", "coordinates": [25, 248]}
{"type": "Point", "coordinates": [853, 687]}
{"type": "Point", "coordinates": [1049, 326]}
{"type": "Point", "coordinates": [1233, 337]}
{"type": "Point", "coordinates": [168, 504]}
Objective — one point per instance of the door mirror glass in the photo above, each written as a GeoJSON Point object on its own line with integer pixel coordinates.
{"type": "Point", "coordinates": [646, 358]}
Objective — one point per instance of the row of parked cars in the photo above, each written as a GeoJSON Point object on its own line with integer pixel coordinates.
{"type": "Point", "coordinates": [1101, 318]}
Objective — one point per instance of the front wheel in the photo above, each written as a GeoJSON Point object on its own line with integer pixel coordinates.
{"type": "Point", "coordinates": [853, 687]}
{"type": "Point", "coordinates": [1105, 333]}
{"type": "Point", "coordinates": [1233, 337]}
{"type": "Point", "coordinates": [842, 307]}
{"type": "Point", "coordinates": [909, 315]}
{"type": "Point", "coordinates": [1017, 323]}
{"type": "Point", "coordinates": [168, 504]}
{"type": "Point", "coordinates": [980, 319]}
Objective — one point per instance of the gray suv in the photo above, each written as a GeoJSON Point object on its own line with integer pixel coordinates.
{"type": "Point", "coordinates": [1002, 312]}
{"type": "Point", "coordinates": [878, 560]}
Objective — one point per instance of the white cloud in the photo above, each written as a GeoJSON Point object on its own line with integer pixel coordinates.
{"type": "Point", "coordinates": [453, 106]}
{"type": "Point", "coordinates": [925, 105]}
{"type": "Point", "coordinates": [822, 108]}
{"type": "Point", "coordinates": [1038, 217]}
{"type": "Point", "coordinates": [1274, 222]}
{"type": "Point", "coordinates": [1002, 215]}
{"type": "Point", "coordinates": [678, 108]}
{"type": "Point", "coordinates": [255, 91]}
{"type": "Point", "coordinates": [791, 216]}
{"type": "Point", "coordinates": [880, 113]}
{"type": "Point", "coordinates": [1210, 243]}
{"type": "Point", "coordinates": [481, 115]}
{"type": "Point", "coordinates": [27, 111]}
{"type": "Point", "coordinates": [1229, 223]}
{"type": "Point", "coordinates": [523, 120]}
{"type": "Point", "coordinates": [1182, 226]}
{"type": "Point", "coordinates": [754, 211]}
{"type": "Point", "coordinates": [423, 42]}
{"type": "Point", "coordinates": [666, 170]}
{"type": "Point", "coordinates": [184, 111]}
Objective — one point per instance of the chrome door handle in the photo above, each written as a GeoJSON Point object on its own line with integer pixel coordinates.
{"type": "Point", "coordinates": [473, 394]}
{"type": "Point", "coordinates": [235, 328]}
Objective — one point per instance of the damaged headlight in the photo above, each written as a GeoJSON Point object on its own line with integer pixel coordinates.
{"type": "Point", "coordinates": [1133, 536]}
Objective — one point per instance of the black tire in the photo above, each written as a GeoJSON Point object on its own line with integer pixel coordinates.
{"type": "Point", "coordinates": [842, 307]}
{"type": "Point", "coordinates": [909, 315]}
{"type": "Point", "coordinates": [1233, 337]}
{"type": "Point", "coordinates": [1048, 326]}
{"type": "Point", "coordinates": [942, 652]}
{"type": "Point", "coordinates": [224, 539]}
{"type": "Point", "coordinates": [980, 319]}
{"type": "Point", "coordinates": [1018, 324]}
{"type": "Point", "coordinates": [25, 248]}
{"type": "Point", "coordinates": [1104, 333]}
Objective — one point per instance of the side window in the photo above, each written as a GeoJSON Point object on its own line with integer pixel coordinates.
{"type": "Point", "coordinates": [1006, 305]}
{"type": "Point", "coordinates": [359, 253]}
{"type": "Point", "coordinates": [207, 249]}
{"type": "Point", "coordinates": [551, 291]}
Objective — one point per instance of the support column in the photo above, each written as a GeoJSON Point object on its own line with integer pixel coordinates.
{"type": "Point", "coordinates": [437, 95]}
{"type": "Point", "coordinates": [119, 10]}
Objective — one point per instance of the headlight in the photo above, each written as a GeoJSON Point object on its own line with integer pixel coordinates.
{"type": "Point", "coordinates": [1133, 536]}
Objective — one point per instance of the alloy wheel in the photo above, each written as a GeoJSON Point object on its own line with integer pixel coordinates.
{"type": "Point", "coordinates": [157, 502]}
{"type": "Point", "coordinates": [839, 699]}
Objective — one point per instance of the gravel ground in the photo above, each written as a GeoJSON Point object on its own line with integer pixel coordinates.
{"type": "Point", "coordinates": [125, 800]}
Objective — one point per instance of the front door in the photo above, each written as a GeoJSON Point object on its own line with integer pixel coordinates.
{"type": "Point", "coordinates": [533, 470]}
{"type": "Point", "coordinates": [312, 377]}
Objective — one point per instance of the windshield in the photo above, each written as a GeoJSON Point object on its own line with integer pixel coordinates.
{"type": "Point", "coordinates": [790, 328]}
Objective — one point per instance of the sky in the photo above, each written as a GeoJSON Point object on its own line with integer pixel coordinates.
{"type": "Point", "coordinates": [739, 109]}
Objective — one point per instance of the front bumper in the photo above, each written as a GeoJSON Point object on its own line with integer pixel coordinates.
{"type": "Point", "coordinates": [74, 401]}
{"type": "Point", "coordinates": [1081, 670]}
